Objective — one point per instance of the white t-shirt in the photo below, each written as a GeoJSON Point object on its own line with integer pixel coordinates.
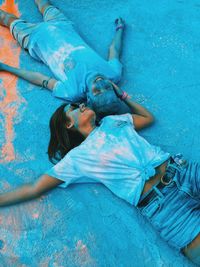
{"type": "Point", "coordinates": [70, 59]}
{"type": "Point", "coordinates": [114, 155]}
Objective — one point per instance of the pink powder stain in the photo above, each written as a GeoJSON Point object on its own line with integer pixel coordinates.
{"type": "Point", "coordinates": [115, 153]}
{"type": "Point", "coordinates": [35, 215]}
{"type": "Point", "coordinates": [10, 102]}
{"type": "Point", "coordinates": [7, 250]}
{"type": "Point", "coordinates": [10, 220]}
{"type": "Point", "coordinates": [10, 234]}
{"type": "Point", "coordinates": [123, 151]}
{"type": "Point", "coordinates": [81, 247]}
{"type": "Point", "coordinates": [44, 262]}
{"type": "Point", "coordinates": [83, 254]}
{"type": "Point", "coordinates": [101, 140]}
{"type": "Point", "coordinates": [6, 186]}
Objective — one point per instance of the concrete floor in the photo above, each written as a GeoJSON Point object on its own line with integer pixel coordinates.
{"type": "Point", "coordinates": [86, 225]}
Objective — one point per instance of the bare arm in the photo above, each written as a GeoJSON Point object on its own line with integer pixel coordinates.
{"type": "Point", "coordinates": [116, 45]}
{"type": "Point", "coordinates": [29, 191]}
{"type": "Point", "coordinates": [141, 116]}
{"type": "Point", "coordinates": [31, 76]}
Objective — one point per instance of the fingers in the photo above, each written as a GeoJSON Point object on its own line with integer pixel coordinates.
{"type": "Point", "coordinates": [118, 91]}
{"type": "Point", "coordinates": [119, 24]}
{"type": "Point", "coordinates": [119, 21]}
{"type": "Point", "coordinates": [114, 85]}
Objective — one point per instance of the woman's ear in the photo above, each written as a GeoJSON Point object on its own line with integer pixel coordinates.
{"type": "Point", "coordinates": [69, 124]}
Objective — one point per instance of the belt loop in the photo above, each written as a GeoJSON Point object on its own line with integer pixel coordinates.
{"type": "Point", "coordinates": [158, 192]}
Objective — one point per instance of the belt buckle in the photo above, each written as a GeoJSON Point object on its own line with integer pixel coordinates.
{"type": "Point", "coordinates": [164, 182]}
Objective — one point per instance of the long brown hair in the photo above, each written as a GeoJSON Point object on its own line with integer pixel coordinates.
{"type": "Point", "coordinates": [62, 139]}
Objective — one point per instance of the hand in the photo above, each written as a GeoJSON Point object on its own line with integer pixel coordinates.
{"type": "Point", "coordinates": [118, 91]}
{"type": "Point", "coordinates": [119, 24]}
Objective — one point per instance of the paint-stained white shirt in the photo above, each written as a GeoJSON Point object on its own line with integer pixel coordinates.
{"type": "Point", "coordinates": [114, 155]}
{"type": "Point", "coordinates": [70, 59]}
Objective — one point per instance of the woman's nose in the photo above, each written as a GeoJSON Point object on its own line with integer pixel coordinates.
{"type": "Point", "coordinates": [82, 107]}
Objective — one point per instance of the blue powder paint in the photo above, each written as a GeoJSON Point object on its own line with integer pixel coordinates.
{"type": "Point", "coordinates": [1, 244]}
{"type": "Point", "coordinates": [162, 60]}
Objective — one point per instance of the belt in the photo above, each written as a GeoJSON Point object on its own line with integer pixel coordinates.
{"type": "Point", "coordinates": [166, 179]}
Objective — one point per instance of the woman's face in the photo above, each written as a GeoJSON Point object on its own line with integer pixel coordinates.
{"type": "Point", "coordinates": [100, 85]}
{"type": "Point", "coordinates": [81, 116]}
{"type": "Point", "coordinates": [101, 97]}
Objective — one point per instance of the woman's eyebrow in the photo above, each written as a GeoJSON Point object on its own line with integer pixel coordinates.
{"type": "Point", "coordinates": [98, 78]}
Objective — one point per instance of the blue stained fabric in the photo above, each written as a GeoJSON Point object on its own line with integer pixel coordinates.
{"type": "Point", "coordinates": [56, 43]}
{"type": "Point", "coordinates": [175, 212]}
{"type": "Point", "coordinates": [114, 155]}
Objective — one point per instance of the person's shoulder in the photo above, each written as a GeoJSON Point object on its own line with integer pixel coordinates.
{"type": "Point", "coordinates": [118, 119]}
{"type": "Point", "coordinates": [121, 117]}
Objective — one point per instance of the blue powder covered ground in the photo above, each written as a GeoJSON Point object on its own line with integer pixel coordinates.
{"type": "Point", "coordinates": [86, 225]}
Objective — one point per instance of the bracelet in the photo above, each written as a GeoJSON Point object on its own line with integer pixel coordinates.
{"type": "Point", "coordinates": [124, 96]}
{"type": "Point", "coordinates": [119, 27]}
{"type": "Point", "coordinates": [45, 83]}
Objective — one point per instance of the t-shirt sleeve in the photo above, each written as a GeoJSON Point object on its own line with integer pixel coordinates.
{"type": "Point", "coordinates": [116, 66]}
{"type": "Point", "coordinates": [64, 170]}
{"type": "Point", "coordinates": [64, 91]}
{"type": "Point", "coordinates": [60, 91]}
{"type": "Point", "coordinates": [121, 120]}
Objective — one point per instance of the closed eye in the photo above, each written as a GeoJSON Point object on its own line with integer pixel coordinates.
{"type": "Point", "coordinates": [98, 79]}
{"type": "Point", "coordinates": [96, 91]}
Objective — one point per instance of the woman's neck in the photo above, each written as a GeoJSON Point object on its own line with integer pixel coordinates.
{"type": "Point", "coordinates": [86, 130]}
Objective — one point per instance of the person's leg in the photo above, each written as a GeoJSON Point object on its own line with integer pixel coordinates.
{"type": "Point", "coordinates": [192, 251]}
{"type": "Point", "coordinates": [116, 45]}
{"type": "Point", "coordinates": [19, 28]}
{"type": "Point", "coordinates": [42, 5]}
{"type": "Point", "coordinates": [6, 18]}
{"type": "Point", "coordinates": [51, 13]}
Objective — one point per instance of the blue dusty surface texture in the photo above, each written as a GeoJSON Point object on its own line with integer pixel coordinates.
{"type": "Point", "coordinates": [86, 225]}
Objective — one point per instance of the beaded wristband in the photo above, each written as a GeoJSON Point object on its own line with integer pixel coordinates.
{"type": "Point", "coordinates": [45, 83]}
{"type": "Point", "coordinates": [119, 27]}
{"type": "Point", "coordinates": [124, 96]}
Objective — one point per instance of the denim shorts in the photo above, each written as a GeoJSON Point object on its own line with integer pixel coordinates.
{"type": "Point", "coordinates": [175, 210]}
{"type": "Point", "coordinates": [22, 30]}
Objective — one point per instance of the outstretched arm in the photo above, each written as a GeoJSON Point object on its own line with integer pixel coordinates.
{"type": "Point", "coordinates": [116, 45]}
{"type": "Point", "coordinates": [29, 191]}
{"type": "Point", "coordinates": [31, 76]}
